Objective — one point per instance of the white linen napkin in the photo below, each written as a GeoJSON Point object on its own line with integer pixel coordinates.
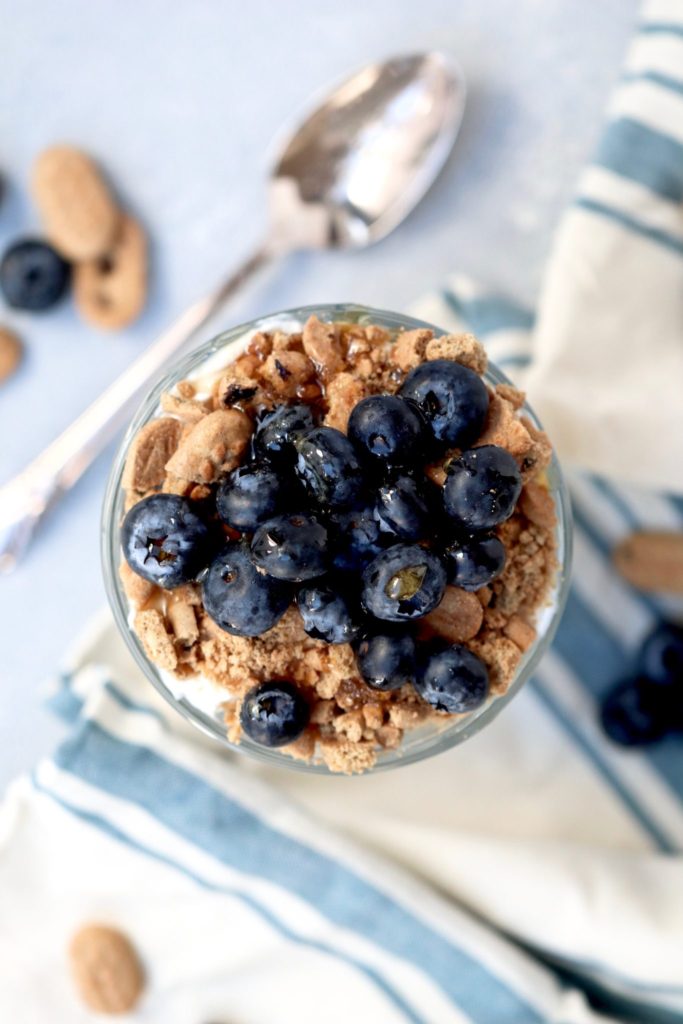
{"type": "Point", "coordinates": [534, 874]}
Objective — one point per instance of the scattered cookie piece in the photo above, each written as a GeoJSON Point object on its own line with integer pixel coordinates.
{"type": "Point", "coordinates": [409, 348]}
{"type": "Point", "coordinates": [110, 290]}
{"type": "Point", "coordinates": [321, 345]}
{"type": "Point", "coordinates": [147, 456]}
{"type": "Point", "coordinates": [11, 352]}
{"type": "Point", "coordinates": [214, 444]}
{"type": "Point", "coordinates": [106, 969]}
{"type": "Point", "coordinates": [78, 210]}
{"type": "Point", "coordinates": [463, 348]}
{"type": "Point", "coordinates": [651, 561]}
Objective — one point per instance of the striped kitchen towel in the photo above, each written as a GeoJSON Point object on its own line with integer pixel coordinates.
{"type": "Point", "coordinates": [534, 874]}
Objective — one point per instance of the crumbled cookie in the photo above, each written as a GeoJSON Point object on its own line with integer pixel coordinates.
{"type": "Point", "coordinates": [321, 345]}
{"type": "Point", "coordinates": [286, 372]}
{"type": "Point", "coordinates": [150, 450]}
{"type": "Point", "coordinates": [389, 736]}
{"type": "Point", "coordinates": [461, 348]}
{"type": "Point", "coordinates": [408, 350]}
{"type": "Point", "coordinates": [183, 621]}
{"type": "Point", "coordinates": [106, 969]}
{"type": "Point", "coordinates": [521, 632]}
{"type": "Point", "coordinates": [215, 444]}
{"type": "Point", "coordinates": [80, 216]}
{"type": "Point", "coordinates": [347, 757]}
{"type": "Point", "coordinates": [138, 590]}
{"type": "Point", "coordinates": [501, 657]}
{"type": "Point", "coordinates": [236, 389]}
{"type": "Point", "coordinates": [457, 618]}
{"type": "Point", "coordinates": [503, 428]}
{"type": "Point", "coordinates": [511, 394]}
{"type": "Point", "coordinates": [189, 410]}
{"type": "Point", "coordinates": [110, 290]}
{"type": "Point", "coordinates": [151, 629]}
{"type": "Point", "coordinates": [11, 352]}
{"type": "Point", "coordinates": [343, 392]}
{"type": "Point", "coordinates": [538, 506]}
{"type": "Point", "coordinates": [539, 455]}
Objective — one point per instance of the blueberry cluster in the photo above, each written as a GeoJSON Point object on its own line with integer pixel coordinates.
{"type": "Point", "coordinates": [649, 704]}
{"type": "Point", "coordinates": [349, 527]}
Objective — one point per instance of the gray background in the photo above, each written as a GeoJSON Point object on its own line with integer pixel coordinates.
{"type": "Point", "coordinates": [180, 102]}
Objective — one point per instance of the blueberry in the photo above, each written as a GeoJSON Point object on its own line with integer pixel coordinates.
{"type": "Point", "coordinates": [474, 561]}
{"type": "Point", "coordinates": [328, 613]}
{"type": "Point", "coordinates": [355, 537]}
{"type": "Point", "coordinates": [386, 658]}
{"type": "Point", "coordinates": [274, 714]}
{"type": "Point", "coordinates": [164, 541]}
{"type": "Point", "coordinates": [452, 398]}
{"type": "Point", "coordinates": [250, 495]}
{"type": "Point", "coordinates": [452, 679]}
{"type": "Point", "coordinates": [277, 430]}
{"type": "Point", "coordinates": [482, 487]}
{"type": "Point", "coordinates": [403, 582]}
{"type": "Point", "coordinates": [631, 716]}
{"type": "Point", "coordinates": [291, 547]}
{"type": "Point", "coordinates": [402, 508]}
{"type": "Point", "coordinates": [239, 598]}
{"type": "Point", "coordinates": [33, 276]}
{"type": "Point", "coordinates": [388, 431]}
{"type": "Point", "coordinates": [661, 656]}
{"type": "Point", "coordinates": [328, 467]}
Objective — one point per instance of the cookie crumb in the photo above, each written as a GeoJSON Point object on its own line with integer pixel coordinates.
{"type": "Point", "coordinates": [321, 345]}
{"type": "Point", "coordinates": [150, 450]}
{"type": "Point", "coordinates": [408, 351]}
{"type": "Point", "coordinates": [520, 632]}
{"type": "Point", "coordinates": [537, 504]}
{"type": "Point", "coordinates": [149, 626]}
{"type": "Point", "coordinates": [461, 348]}
{"type": "Point", "coordinates": [347, 757]}
{"type": "Point", "coordinates": [343, 392]}
{"type": "Point", "coordinates": [214, 444]}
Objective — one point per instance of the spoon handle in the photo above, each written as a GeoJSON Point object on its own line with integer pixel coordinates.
{"type": "Point", "coordinates": [25, 499]}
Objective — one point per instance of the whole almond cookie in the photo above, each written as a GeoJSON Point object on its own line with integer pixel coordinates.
{"type": "Point", "coordinates": [11, 351]}
{"type": "Point", "coordinates": [78, 210]}
{"type": "Point", "coordinates": [110, 291]}
{"type": "Point", "coordinates": [106, 969]}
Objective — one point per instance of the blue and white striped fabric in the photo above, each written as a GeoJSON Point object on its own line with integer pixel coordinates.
{"type": "Point", "coordinates": [534, 874]}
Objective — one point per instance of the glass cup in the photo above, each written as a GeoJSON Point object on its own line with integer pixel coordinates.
{"type": "Point", "coordinates": [424, 741]}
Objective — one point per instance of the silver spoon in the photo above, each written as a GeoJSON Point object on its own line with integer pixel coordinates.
{"type": "Point", "coordinates": [347, 174]}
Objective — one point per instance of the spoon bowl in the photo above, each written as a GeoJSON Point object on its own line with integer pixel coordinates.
{"type": "Point", "coordinates": [366, 154]}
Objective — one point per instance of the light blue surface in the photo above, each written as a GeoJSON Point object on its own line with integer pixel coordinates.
{"type": "Point", "coordinates": [181, 102]}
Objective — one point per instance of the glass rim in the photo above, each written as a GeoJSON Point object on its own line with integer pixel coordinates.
{"type": "Point", "coordinates": [441, 739]}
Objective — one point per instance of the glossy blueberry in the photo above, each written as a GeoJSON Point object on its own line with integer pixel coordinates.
{"type": "Point", "coordinates": [277, 430]}
{"type": "Point", "coordinates": [452, 398]}
{"type": "Point", "coordinates": [250, 495]}
{"type": "Point", "coordinates": [452, 679]}
{"type": "Point", "coordinates": [388, 431]}
{"type": "Point", "coordinates": [482, 488]}
{"type": "Point", "coordinates": [403, 582]}
{"type": "Point", "coordinates": [355, 538]}
{"type": "Point", "coordinates": [239, 598]}
{"type": "Point", "coordinates": [292, 547]}
{"type": "Point", "coordinates": [274, 714]}
{"type": "Point", "coordinates": [631, 715]}
{"type": "Point", "coordinates": [402, 508]}
{"type": "Point", "coordinates": [661, 656]}
{"type": "Point", "coordinates": [474, 561]}
{"type": "Point", "coordinates": [164, 541]}
{"type": "Point", "coordinates": [33, 276]}
{"type": "Point", "coordinates": [386, 658]}
{"type": "Point", "coordinates": [328, 613]}
{"type": "Point", "coordinates": [328, 467]}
